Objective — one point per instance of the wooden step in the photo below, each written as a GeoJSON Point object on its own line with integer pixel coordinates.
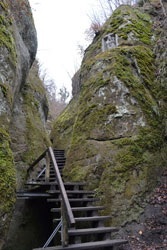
{"type": "Point", "coordinates": [71, 192]}
{"type": "Point", "coordinates": [60, 167]}
{"type": "Point", "coordinates": [80, 184]}
{"type": "Point", "coordinates": [80, 209]}
{"type": "Point", "coordinates": [50, 179]}
{"type": "Point", "coordinates": [53, 175]}
{"type": "Point", "coordinates": [97, 230]}
{"type": "Point", "coordinates": [61, 164]}
{"type": "Point", "coordinates": [51, 170]}
{"type": "Point", "coordinates": [75, 200]}
{"type": "Point", "coordinates": [88, 245]}
{"type": "Point", "coordinates": [60, 157]}
{"type": "Point", "coordinates": [93, 218]}
{"type": "Point", "coordinates": [23, 198]}
{"type": "Point", "coordinates": [59, 153]}
{"type": "Point", "coordinates": [36, 183]}
{"type": "Point", "coordinates": [88, 219]}
{"type": "Point", "coordinates": [58, 150]}
{"type": "Point", "coordinates": [32, 195]}
{"type": "Point", "coordinates": [42, 180]}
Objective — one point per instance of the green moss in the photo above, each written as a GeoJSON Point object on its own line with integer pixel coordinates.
{"type": "Point", "coordinates": [116, 22]}
{"type": "Point", "coordinates": [4, 89]}
{"type": "Point", "coordinates": [131, 21]}
{"type": "Point", "coordinates": [7, 93]}
{"type": "Point", "coordinates": [4, 6]}
{"type": "Point", "coordinates": [140, 59]}
{"type": "Point", "coordinates": [6, 38]}
{"type": "Point", "coordinates": [63, 126]}
{"type": "Point", "coordinates": [139, 153]}
{"type": "Point", "coordinates": [34, 82]}
{"type": "Point", "coordinates": [36, 137]}
{"type": "Point", "coordinates": [30, 101]}
{"type": "Point", "coordinates": [33, 131]}
{"type": "Point", "coordinates": [7, 175]}
{"type": "Point", "coordinates": [77, 174]}
{"type": "Point", "coordinates": [88, 117]}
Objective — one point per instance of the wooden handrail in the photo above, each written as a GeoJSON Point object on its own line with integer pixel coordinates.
{"type": "Point", "coordinates": [62, 188]}
{"type": "Point", "coordinates": [38, 160]}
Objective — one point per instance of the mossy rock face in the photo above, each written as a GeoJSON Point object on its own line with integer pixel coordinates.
{"type": "Point", "coordinates": [64, 126]}
{"type": "Point", "coordinates": [132, 26]}
{"type": "Point", "coordinates": [7, 182]}
{"type": "Point", "coordinates": [18, 45]}
{"type": "Point", "coordinates": [6, 36]}
{"type": "Point", "coordinates": [28, 133]}
{"type": "Point", "coordinates": [7, 64]}
{"type": "Point", "coordinates": [117, 140]}
{"type": "Point", "coordinates": [29, 139]}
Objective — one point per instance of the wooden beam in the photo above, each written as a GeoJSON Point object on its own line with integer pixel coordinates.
{"type": "Point", "coordinates": [38, 160]}
{"type": "Point", "coordinates": [64, 229]}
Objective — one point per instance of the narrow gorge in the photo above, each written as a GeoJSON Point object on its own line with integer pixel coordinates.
{"type": "Point", "coordinates": [114, 130]}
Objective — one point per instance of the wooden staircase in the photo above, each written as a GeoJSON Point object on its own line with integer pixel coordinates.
{"type": "Point", "coordinates": [86, 229]}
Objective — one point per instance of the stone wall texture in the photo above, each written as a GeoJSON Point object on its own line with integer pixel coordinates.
{"type": "Point", "coordinates": [23, 104]}
{"type": "Point", "coordinates": [114, 130]}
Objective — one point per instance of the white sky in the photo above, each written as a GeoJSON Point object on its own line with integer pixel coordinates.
{"type": "Point", "coordinates": [60, 27]}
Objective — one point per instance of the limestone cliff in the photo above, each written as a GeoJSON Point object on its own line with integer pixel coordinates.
{"type": "Point", "coordinates": [23, 104]}
{"type": "Point", "coordinates": [114, 129]}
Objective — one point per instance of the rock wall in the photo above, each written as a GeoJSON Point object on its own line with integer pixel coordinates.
{"type": "Point", "coordinates": [114, 131]}
{"type": "Point", "coordinates": [23, 104]}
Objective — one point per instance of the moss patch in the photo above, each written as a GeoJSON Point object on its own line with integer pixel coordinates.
{"type": "Point", "coordinates": [28, 132]}
{"type": "Point", "coordinates": [36, 137]}
{"type": "Point", "coordinates": [4, 89]}
{"type": "Point", "coordinates": [63, 126]}
{"type": "Point", "coordinates": [7, 175]}
{"type": "Point", "coordinates": [6, 38]}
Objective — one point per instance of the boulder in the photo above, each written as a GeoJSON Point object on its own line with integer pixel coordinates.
{"type": "Point", "coordinates": [114, 130]}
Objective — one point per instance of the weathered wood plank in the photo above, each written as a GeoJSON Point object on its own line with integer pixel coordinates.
{"type": "Point", "coordinates": [32, 195]}
{"type": "Point", "coordinates": [97, 230]}
{"type": "Point", "coordinates": [47, 172]}
{"type": "Point", "coordinates": [87, 219]}
{"type": "Point", "coordinates": [88, 245]}
{"type": "Point", "coordinates": [94, 208]}
{"type": "Point", "coordinates": [38, 160]}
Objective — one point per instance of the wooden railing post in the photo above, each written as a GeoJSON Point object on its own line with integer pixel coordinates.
{"type": "Point", "coordinates": [47, 172]}
{"type": "Point", "coordinates": [64, 233]}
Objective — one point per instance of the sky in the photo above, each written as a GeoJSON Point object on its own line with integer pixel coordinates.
{"type": "Point", "coordinates": [60, 28]}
